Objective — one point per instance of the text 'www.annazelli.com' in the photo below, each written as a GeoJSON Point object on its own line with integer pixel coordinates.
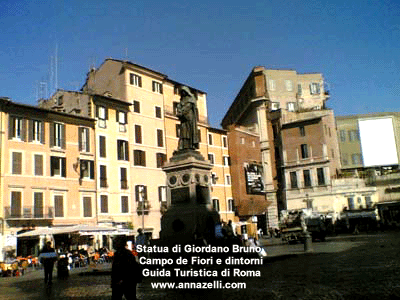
{"type": "Point", "coordinates": [216, 284]}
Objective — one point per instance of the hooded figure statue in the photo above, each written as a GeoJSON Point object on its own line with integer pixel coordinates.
{"type": "Point", "coordinates": [188, 114]}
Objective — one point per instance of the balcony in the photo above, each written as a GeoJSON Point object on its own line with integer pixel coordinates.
{"type": "Point", "coordinates": [29, 213]}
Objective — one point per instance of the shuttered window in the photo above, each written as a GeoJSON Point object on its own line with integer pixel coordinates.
{"type": "Point", "coordinates": [124, 204]}
{"type": "Point", "coordinates": [36, 131]}
{"type": "Point", "coordinates": [138, 134]}
{"type": "Point", "coordinates": [38, 158]}
{"type": "Point", "coordinates": [123, 150]}
{"type": "Point", "coordinates": [57, 135]}
{"type": "Point", "coordinates": [161, 159]}
{"type": "Point", "coordinates": [104, 204]}
{"type": "Point", "coordinates": [58, 166]}
{"type": "Point", "coordinates": [87, 207]}
{"type": "Point", "coordinates": [124, 178]}
{"type": "Point", "coordinates": [16, 128]}
{"type": "Point", "coordinates": [58, 206]}
{"type": "Point", "coordinates": [17, 163]}
{"type": "Point", "coordinates": [158, 112]}
{"type": "Point", "coordinates": [84, 139]}
{"type": "Point", "coordinates": [140, 193]}
{"type": "Point", "coordinates": [160, 138]}
{"type": "Point", "coordinates": [139, 158]}
{"type": "Point", "coordinates": [16, 204]}
{"type": "Point", "coordinates": [103, 176]}
{"type": "Point", "coordinates": [136, 106]}
{"type": "Point", "coordinates": [38, 205]}
{"type": "Point", "coordinates": [102, 146]}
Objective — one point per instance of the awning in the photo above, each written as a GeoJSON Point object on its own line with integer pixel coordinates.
{"type": "Point", "coordinates": [77, 229]}
{"type": "Point", "coordinates": [38, 232]}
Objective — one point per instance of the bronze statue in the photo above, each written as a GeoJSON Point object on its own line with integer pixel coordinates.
{"type": "Point", "coordinates": [188, 115]}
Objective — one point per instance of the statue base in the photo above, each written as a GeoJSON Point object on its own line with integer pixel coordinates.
{"type": "Point", "coordinates": [189, 214]}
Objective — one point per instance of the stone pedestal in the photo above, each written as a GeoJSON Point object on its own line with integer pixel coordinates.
{"type": "Point", "coordinates": [189, 212]}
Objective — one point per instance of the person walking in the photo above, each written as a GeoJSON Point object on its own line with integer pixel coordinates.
{"type": "Point", "coordinates": [125, 272]}
{"type": "Point", "coordinates": [47, 257]}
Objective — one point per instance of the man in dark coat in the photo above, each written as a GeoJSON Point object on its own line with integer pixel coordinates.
{"type": "Point", "coordinates": [47, 257]}
{"type": "Point", "coordinates": [126, 272]}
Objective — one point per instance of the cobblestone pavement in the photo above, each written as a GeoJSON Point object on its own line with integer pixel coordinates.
{"type": "Point", "coordinates": [352, 267]}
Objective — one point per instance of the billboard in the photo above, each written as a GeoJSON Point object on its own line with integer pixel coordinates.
{"type": "Point", "coordinates": [378, 144]}
{"type": "Point", "coordinates": [254, 179]}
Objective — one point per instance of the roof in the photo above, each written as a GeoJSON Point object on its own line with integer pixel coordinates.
{"type": "Point", "coordinates": [369, 115]}
{"type": "Point", "coordinates": [12, 103]}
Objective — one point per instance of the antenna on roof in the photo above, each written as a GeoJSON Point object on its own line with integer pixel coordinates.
{"type": "Point", "coordinates": [126, 53]}
{"type": "Point", "coordinates": [56, 69]}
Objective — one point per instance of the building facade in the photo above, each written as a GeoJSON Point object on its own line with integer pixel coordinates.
{"type": "Point", "coordinates": [137, 130]}
{"type": "Point", "coordinates": [269, 104]}
{"type": "Point", "coordinates": [47, 171]}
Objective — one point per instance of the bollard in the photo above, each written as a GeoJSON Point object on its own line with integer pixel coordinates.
{"type": "Point", "coordinates": [308, 242]}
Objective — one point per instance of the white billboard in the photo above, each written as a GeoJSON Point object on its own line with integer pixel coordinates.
{"type": "Point", "coordinates": [378, 144]}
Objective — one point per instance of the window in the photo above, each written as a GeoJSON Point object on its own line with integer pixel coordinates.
{"type": "Point", "coordinates": [157, 87]}
{"type": "Point", "coordinates": [124, 204]}
{"type": "Point", "coordinates": [228, 180]}
{"type": "Point", "coordinates": [293, 180]}
{"type": "Point", "coordinates": [87, 207]}
{"type": "Point", "coordinates": [368, 201]}
{"type": "Point", "coordinates": [302, 131]}
{"type": "Point", "coordinates": [242, 140]}
{"type": "Point", "coordinates": [161, 158]}
{"type": "Point", "coordinates": [291, 106]}
{"type": "Point", "coordinates": [104, 204]}
{"type": "Point", "coordinates": [227, 161]}
{"type": "Point", "coordinates": [136, 106]}
{"type": "Point", "coordinates": [124, 178]}
{"type": "Point", "coordinates": [353, 135]}
{"type": "Point", "coordinates": [141, 193]}
{"type": "Point", "coordinates": [304, 151]}
{"type": "Point", "coordinates": [138, 134]}
{"type": "Point", "coordinates": [350, 202]}
{"type": "Point", "coordinates": [122, 150]}
{"type": "Point", "coordinates": [299, 89]}
{"type": "Point", "coordinates": [356, 159]}
{"type": "Point", "coordinates": [160, 138]}
{"type": "Point", "coordinates": [210, 139]}
{"type": "Point", "coordinates": [321, 176]}
{"type": "Point", "coordinates": [175, 107]}
{"type": "Point", "coordinates": [16, 163]}
{"type": "Point", "coordinates": [86, 169]}
{"type": "Point", "coordinates": [57, 135]}
{"type": "Point", "coordinates": [135, 80]}
{"type": "Point", "coordinates": [38, 167]}
{"type": "Point", "coordinates": [16, 128]}
{"type": "Point", "coordinates": [38, 205]}
{"type": "Point", "coordinates": [342, 134]}
{"type": "Point", "coordinates": [122, 120]}
{"type": "Point", "coordinates": [272, 86]}
{"type": "Point", "coordinates": [58, 166]}
{"type": "Point", "coordinates": [231, 205]}
{"type": "Point", "coordinates": [84, 138]}
{"type": "Point", "coordinates": [102, 116]}
{"type": "Point", "coordinates": [215, 204]}
{"type": "Point", "coordinates": [58, 206]}
{"type": "Point", "coordinates": [162, 194]}
{"type": "Point", "coordinates": [224, 142]}
{"type": "Point", "coordinates": [103, 176]}
{"type": "Point", "coordinates": [315, 88]}
{"type": "Point", "coordinates": [139, 158]}
{"type": "Point", "coordinates": [289, 85]}
{"type": "Point", "coordinates": [102, 146]}
{"type": "Point", "coordinates": [211, 158]}
{"type": "Point", "coordinates": [178, 130]}
{"type": "Point", "coordinates": [16, 205]}
{"type": "Point", "coordinates": [274, 106]}
{"type": "Point", "coordinates": [214, 178]}
{"type": "Point", "coordinates": [307, 178]}
{"type": "Point", "coordinates": [158, 112]}
{"type": "Point", "coordinates": [36, 130]}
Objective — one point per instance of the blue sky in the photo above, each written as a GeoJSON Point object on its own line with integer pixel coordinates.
{"type": "Point", "coordinates": [210, 45]}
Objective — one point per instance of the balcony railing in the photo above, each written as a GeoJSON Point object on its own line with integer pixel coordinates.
{"type": "Point", "coordinates": [29, 212]}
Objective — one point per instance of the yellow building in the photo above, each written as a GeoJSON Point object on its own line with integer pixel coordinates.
{"type": "Point", "coordinates": [47, 171]}
{"type": "Point", "coordinates": [142, 101]}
